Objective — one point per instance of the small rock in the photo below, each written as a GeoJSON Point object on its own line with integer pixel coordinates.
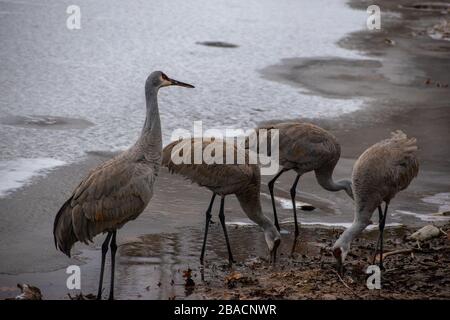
{"type": "Point", "coordinates": [389, 41]}
{"type": "Point", "coordinates": [442, 213]}
{"type": "Point", "coordinates": [425, 233]}
{"type": "Point", "coordinates": [305, 206]}
{"type": "Point", "coordinates": [219, 44]}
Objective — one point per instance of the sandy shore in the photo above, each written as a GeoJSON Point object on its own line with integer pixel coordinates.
{"type": "Point", "coordinates": [166, 238]}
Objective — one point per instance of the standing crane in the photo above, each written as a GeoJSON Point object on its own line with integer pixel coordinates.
{"type": "Point", "coordinates": [223, 179]}
{"type": "Point", "coordinates": [305, 147]}
{"type": "Point", "coordinates": [118, 190]}
{"type": "Point", "coordinates": [379, 174]}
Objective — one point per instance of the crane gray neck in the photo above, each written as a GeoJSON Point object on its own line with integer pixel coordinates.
{"type": "Point", "coordinates": [251, 204]}
{"type": "Point", "coordinates": [149, 144]}
{"type": "Point", "coordinates": [327, 182]}
{"type": "Point", "coordinates": [337, 185]}
{"type": "Point", "coordinates": [351, 233]}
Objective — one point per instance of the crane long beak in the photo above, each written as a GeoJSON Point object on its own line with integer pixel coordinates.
{"type": "Point", "coordinates": [181, 84]}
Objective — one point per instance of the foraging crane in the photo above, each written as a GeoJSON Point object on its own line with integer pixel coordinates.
{"type": "Point", "coordinates": [118, 190]}
{"type": "Point", "coordinates": [305, 147]}
{"type": "Point", "coordinates": [222, 179]}
{"type": "Point", "coordinates": [379, 174]}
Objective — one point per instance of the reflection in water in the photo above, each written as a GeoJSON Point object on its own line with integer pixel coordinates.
{"type": "Point", "coordinates": [155, 267]}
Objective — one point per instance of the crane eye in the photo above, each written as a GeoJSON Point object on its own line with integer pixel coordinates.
{"type": "Point", "coordinates": [164, 76]}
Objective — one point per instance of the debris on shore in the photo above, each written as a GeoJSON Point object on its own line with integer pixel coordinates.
{"type": "Point", "coordinates": [189, 283]}
{"type": "Point", "coordinates": [28, 292]}
{"type": "Point", "coordinates": [410, 272]}
{"type": "Point", "coordinates": [81, 296]}
{"type": "Point", "coordinates": [440, 31]}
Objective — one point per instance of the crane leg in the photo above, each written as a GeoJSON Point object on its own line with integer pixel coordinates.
{"type": "Point", "coordinates": [102, 268]}
{"type": "Point", "coordinates": [113, 247]}
{"type": "Point", "coordinates": [294, 245]}
{"type": "Point", "coordinates": [222, 222]}
{"type": "Point", "coordinates": [270, 185]}
{"type": "Point", "coordinates": [208, 219]}
{"type": "Point", "coordinates": [293, 194]}
{"type": "Point", "coordinates": [381, 225]}
{"type": "Point", "coordinates": [380, 218]}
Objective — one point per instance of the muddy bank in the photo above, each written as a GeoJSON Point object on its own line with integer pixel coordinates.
{"type": "Point", "coordinates": [310, 273]}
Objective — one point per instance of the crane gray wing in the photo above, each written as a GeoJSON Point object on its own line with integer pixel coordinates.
{"type": "Point", "coordinates": [404, 165]}
{"type": "Point", "coordinates": [304, 144]}
{"type": "Point", "coordinates": [109, 196]}
{"type": "Point", "coordinates": [387, 167]}
{"type": "Point", "coordinates": [213, 175]}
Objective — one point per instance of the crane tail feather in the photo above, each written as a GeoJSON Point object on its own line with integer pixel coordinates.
{"type": "Point", "coordinates": [63, 233]}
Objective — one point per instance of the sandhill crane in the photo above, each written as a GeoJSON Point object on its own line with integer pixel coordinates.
{"type": "Point", "coordinates": [305, 147]}
{"type": "Point", "coordinates": [223, 179]}
{"type": "Point", "coordinates": [118, 190]}
{"type": "Point", "coordinates": [379, 174]}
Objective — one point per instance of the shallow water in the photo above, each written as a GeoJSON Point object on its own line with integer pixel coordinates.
{"type": "Point", "coordinates": [97, 74]}
{"type": "Point", "coordinates": [152, 266]}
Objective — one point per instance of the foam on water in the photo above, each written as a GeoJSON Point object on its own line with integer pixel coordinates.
{"type": "Point", "coordinates": [15, 174]}
{"type": "Point", "coordinates": [421, 216]}
{"type": "Point", "coordinates": [343, 225]}
{"type": "Point", "coordinates": [241, 223]}
{"type": "Point", "coordinates": [441, 199]}
{"type": "Point", "coordinates": [287, 203]}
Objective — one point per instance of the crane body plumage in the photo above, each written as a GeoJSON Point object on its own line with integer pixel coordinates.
{"type": "Point", "coordinates": [111, 195]}
{"type": "Point", "coordinates": [242, 180]}
{"type": "Point", "coordinates": [305, 147]}
{"type": "Point", "coordinates": [382, 171]}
